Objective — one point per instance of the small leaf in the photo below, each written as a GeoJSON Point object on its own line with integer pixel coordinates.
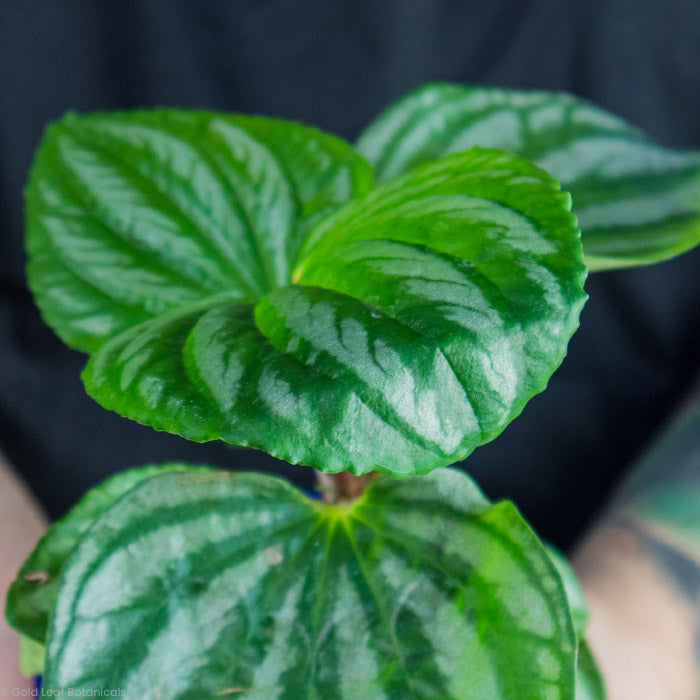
{"type": "Point", "coordinates": [589, 681]}
{"type": "Point", "coordinates": [31, 657]}
{"type": "Point", "coordinates": [637, 202]}
{"type": "Point", "coordinates": [32, 595]}
{"type": "Point", "coordinates": [574, 592]}
{"type": "Point", "coordinates": [205, 263]}
{"type": "Point", "coordinates": [420, 589]}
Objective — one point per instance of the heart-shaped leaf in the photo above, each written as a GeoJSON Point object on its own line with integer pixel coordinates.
{"type": "Point", "coordinates": [210, 585]}
{"type": "Point", "coordinates": [414, 324]}
{"type": "Point", "coordinates": [32, 595]}
{"type": "Point", "coordinates": [637, 202]}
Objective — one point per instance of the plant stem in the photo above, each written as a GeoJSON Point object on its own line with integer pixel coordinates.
{"type": "Point", "coordinates": [343, 487]}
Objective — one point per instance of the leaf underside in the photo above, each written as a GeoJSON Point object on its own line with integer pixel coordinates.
{"type": "Point", "coordinates": [234, 278]}
{"type": "Point", "coordinates": [637, 202]}
{"type": "Point", "coordinates": [210, 585]}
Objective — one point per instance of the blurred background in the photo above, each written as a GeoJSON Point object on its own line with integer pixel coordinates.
{"type": "Point", "coordinates": [335, 64]}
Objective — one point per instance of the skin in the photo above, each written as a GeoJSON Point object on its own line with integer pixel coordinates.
{"type": "Point", "coordinates": [21, 524]}
{"type": "Point", "coordinates": [639, 570]}
{"type": "Point", "coordinates": [642, 628]}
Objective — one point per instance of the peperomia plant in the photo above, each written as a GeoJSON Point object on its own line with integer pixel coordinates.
{"type": "Point", "coordinates": [377, 312]}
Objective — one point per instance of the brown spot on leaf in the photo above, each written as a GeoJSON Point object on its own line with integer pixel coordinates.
{"type": "Point", "coordinates": [273, 556]}
{"type": "Point", "coordinates": [232, 691]}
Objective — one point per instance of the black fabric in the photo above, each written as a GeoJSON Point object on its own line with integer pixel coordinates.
{"type": "Point", "coordinates": [336, 64]}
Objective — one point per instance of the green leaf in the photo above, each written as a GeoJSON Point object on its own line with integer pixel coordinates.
{"type": "Point", "coordinates": [589, 681]}
{"type": "Point", "coordinates": [134, 214]}
{"type": "Point", "coordinates": [412, 326]}
{"type": "Point", "coordinates": [215, 584]}
{"type": "Point", "coordinates": [574, 592]}
{"type": "Point", "coordinates": [637, 202]}
{"type": "Point", "coordinates": [423, 318]}
{"type": "Point", "coordinates": [31, 657]}
{"type": "Point", "coordinates": [32, 595]}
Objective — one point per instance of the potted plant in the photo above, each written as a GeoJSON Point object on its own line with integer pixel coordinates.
{"type": "Point", "coordinates": [375, 312]}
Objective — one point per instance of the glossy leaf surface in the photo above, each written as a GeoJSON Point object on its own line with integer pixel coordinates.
{"type": "Point", "coordinates": [199, 586]}
{"type": "Point", "coordinates": [32, 596]}
{"type": "Point", "coordinates": [408, 327]}
{"type": "Point", "coordinates": [637, 202]}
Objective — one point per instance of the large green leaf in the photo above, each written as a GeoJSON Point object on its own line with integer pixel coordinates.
{"type": "Point", "coordinates": [203, 586]}
{"type": "Point", "coordinates": [637, 202]}
{"type": "Point", "coordinates": [32, 595]}
{"type": "Point", "coordinates": [134, 214]}
{"type": "Point", "coordinates": [414, 324]}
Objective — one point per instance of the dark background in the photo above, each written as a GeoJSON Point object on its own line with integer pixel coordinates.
{"type": "Point", "coordinates": [335, 64]}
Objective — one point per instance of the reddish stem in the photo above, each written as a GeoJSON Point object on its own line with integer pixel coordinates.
{"type": "Point", "coordinates": [343, 486]}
